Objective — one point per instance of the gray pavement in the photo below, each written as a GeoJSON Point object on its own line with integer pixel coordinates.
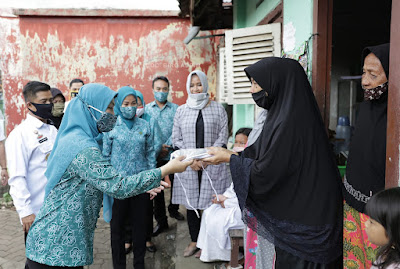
{"type": "Point", "coordinates": [169, 255]}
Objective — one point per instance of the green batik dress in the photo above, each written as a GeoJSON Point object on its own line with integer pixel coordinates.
{"type": "Point", "coordinates": [63, 231]}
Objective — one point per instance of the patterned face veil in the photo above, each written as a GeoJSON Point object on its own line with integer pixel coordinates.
{"type": "Point", "coordinates": [375, 93]}
{"type": "Point", "coordinates": [107, 120]}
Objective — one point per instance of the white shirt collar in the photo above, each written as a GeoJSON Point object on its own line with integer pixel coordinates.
{"type": "Point", "coordinates": [35, 122]}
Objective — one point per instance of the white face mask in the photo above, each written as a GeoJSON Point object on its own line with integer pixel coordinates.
{"type": "Point", "coordinates": [238, 149]}
{"type": "Point", "coordinates": [140, 111]}
{"type": "Point", "coordinates": [198, 100]}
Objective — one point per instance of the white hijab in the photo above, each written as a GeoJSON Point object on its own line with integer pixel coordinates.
{"type": "Point", "coordinates": [199, 100]}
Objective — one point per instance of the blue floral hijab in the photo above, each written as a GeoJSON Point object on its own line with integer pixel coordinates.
{"type": "Point", "coordinates": [78, 130]}
{"type": "Point", "coordinates": [140, 95]}
{"type": "Point", "coordinates": [122, 94]}
{"type": "Point", "coordinates": [145, 116]}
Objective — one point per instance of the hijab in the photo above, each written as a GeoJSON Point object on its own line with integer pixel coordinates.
{"type": "Point", "coordinates": [60, 107]}
{"type": "Point", "coordinates": [78, 130]}
{"type": "Point", "coordinates": [258, 127]}
{"type": "Point", "coordinates": [294, 190]}
{"type": "Point", "coordinates": [365, 173]}
{"type": "Point", "coordinates": [140, 95]}
{"type": "Point", "coordinates": [122, 94]}
{"type": "Point", "coordinates": [55, 92]}
{"type": "Point", "coordinates": [199, 100]}
{"type": "Point", "coordinates": [145, 115]}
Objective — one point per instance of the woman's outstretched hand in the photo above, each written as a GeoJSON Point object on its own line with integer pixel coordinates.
{"type": "Point", "coordinates": [219, 155]}
{"type": "Point", "coordinates": [153, 192]}
{"type": "Point", "coordinates": [176, 165]}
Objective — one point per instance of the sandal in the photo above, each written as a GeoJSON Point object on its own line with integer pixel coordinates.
{"type": "Point", "coordinates": [198, 254]}
{"type": "Point", "coordinates": [189, 251]}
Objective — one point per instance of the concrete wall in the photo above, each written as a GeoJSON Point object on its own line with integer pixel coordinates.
{"type": "Point", "coordinates": [109, 50]}
{"type": "Point", "coordinates": [297, 24]}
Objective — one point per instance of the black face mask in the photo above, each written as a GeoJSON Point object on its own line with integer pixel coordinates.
{"type": "Point", "coordinates": [42, 110]}
{"type": "Point", "coordinates": [262, 100]}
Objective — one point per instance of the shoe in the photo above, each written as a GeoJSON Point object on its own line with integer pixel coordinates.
{"type": "Point", "coordinates": [189, 251]}
{"type": "Point", "coordinates": [176, 215]}
{"type": "Point", "coordinates": [151, 248]}
{"type": "Point", "coordinates": [159, 229]}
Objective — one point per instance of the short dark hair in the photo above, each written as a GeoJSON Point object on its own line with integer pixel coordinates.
{"type": "Point", "coordinates": [76, 80]}
{"type": "Point", "coordinates": [384, 207]}
{"type": "Point", "coordinates": [33, 87]}
{"type": "Point", "coordinates": [245, 131]}
{"type": "Point", "coordinates": [160, 78]}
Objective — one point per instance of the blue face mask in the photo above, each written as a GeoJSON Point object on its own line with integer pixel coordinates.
{"type": "Point", "coordinates": [106, 122]}
{"type": "Point", "coordinates": [128, 112]}
{"type": "Point", "coordinates": [161, 96]}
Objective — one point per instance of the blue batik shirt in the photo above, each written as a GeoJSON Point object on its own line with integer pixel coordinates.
{"type": "Point", "coordinates": [165, 119]}
{"type": "Point", "coordinates": [131, 150]}
{"type": "Point", "coordinates": [156, 133]}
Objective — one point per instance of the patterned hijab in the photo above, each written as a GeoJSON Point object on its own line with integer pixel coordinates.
{"type": "Point", "coordinates": [140, 95]}
{"type": "Point", "coordinates": [122, 94]}
{"type": "Point", "coordinates": [78, 130]}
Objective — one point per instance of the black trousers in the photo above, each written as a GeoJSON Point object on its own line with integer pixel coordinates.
{"type": "Point", "coordinates": [26, 262]}
{"type": "Point", "coordinates": [160, 213]}
{"type": "Point", "coordinates": [35, 265]}
{"type": "Point", "coordinates": [135, 209]}
{"type": "Point", "coordinates": [194, 224]}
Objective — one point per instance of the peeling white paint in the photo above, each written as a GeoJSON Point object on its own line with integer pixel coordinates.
{"type": "Point", "coordinates": [97, 57]}
{"type": "Point", "coordinates": [289, 37]}
{"type": "Point", "coordinates": [179, 94]}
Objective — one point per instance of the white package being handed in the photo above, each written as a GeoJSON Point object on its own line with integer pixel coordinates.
{"type": "Point", "coordinates": [191, 154]}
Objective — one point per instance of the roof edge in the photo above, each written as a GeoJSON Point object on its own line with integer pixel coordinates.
{"type": "Point", "coordinates": [79, 12]}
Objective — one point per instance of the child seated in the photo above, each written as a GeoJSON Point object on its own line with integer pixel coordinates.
{"type": "Point", "coordinates": [383, 227]}
{"type": "Point", "coordinates": [222, 215]}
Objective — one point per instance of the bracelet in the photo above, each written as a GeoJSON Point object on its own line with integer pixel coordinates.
{"type": "Point", "coordinates": [5, 168]}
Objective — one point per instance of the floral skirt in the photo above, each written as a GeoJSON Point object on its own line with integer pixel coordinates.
{"type": "Point", "coordinates": [251, 249]}
{"type": "Point", "coordinates": [358, 251]}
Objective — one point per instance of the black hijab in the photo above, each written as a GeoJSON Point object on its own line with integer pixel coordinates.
{"type": "Point", "coordinates": [294, 186]}
{"type": "Point", "coordinates": [56, 120]}
{"type": "Point", "coordinates": [365, 173]}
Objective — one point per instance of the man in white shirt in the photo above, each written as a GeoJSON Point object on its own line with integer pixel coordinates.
{"type": "Point", "coordinates": [28, 147]}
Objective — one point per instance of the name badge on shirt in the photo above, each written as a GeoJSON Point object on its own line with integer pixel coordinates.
{"type": "Point", "coordinates": [43, 140]}
{"type": "Point", "coordinates": [40, 137]}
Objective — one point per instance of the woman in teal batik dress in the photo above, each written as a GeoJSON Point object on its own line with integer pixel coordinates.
{"type": "Point", "coordinates": [78, 175]}
{"type": "Point", "coordinates": [157, 144]}
{"type": "Point", "coordinates": [130, 147]}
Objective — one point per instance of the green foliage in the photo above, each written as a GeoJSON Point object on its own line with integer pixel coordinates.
{"type": "Point", "coordinates": [7, 197]}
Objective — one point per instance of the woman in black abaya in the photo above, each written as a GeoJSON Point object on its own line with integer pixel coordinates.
{"type": "Point", "coordinates": [365, 173]}
{"type": "Point", "coordinates": [288, 178]}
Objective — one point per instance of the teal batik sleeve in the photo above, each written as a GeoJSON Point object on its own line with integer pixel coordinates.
{"type": "Point", "coordinates": [93, 167]}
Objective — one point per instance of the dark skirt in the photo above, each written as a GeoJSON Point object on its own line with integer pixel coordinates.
{"type": "Point", "coordinates": [285, 260]}
{"type": "Point", "coordinates": [34, 265]}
